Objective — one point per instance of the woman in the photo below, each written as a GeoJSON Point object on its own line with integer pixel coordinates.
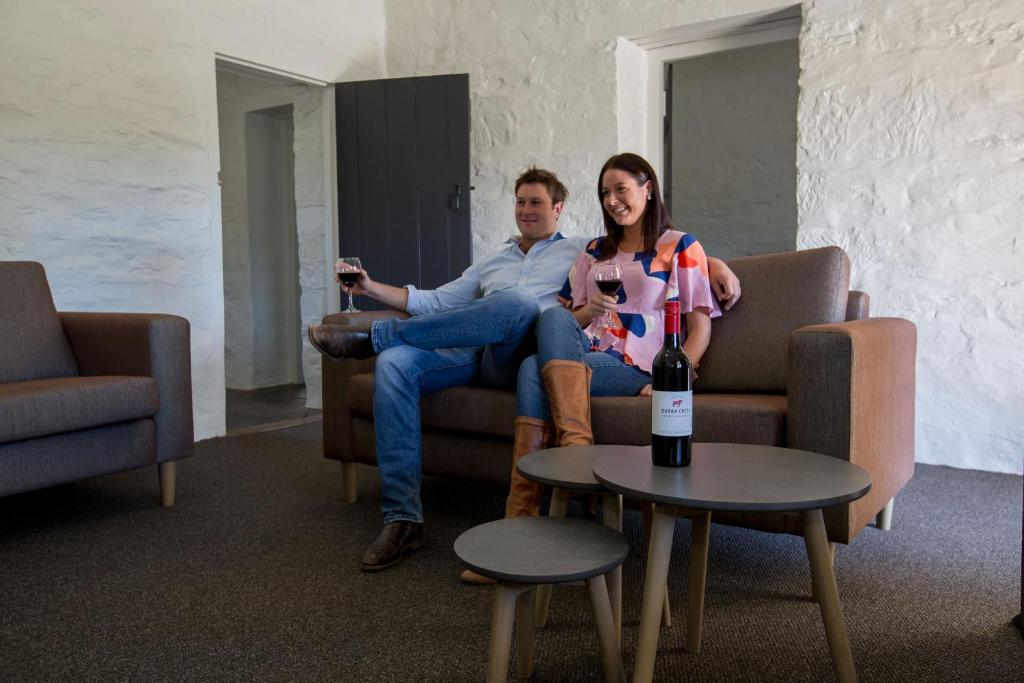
{"type": "Point", "coordinates": [577, 357]}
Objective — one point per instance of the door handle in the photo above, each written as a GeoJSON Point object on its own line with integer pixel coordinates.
{"type": "Point", "coordinates": [456, 199]}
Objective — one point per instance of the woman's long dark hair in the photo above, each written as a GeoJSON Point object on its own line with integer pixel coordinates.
{"type": "Point", "coordinates": [656, 219]}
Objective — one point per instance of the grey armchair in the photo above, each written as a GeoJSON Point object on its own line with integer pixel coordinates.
{"type": "Point", "coordinates": [86, 394]}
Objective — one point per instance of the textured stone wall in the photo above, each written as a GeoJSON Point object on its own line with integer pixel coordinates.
{"type": "Point", "coordinates": [734, 148]}
{"type": "Point", "coordinates": [109, 154]}
{"type": "Point", "coordinates": [911, 157]}
{"type": "Point", "coordinates": [910, 133]}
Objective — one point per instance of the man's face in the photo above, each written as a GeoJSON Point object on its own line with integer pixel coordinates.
{"type": "Point", "coordinates": [535, 214]}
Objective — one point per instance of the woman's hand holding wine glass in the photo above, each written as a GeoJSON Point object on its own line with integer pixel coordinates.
{"type": "Point", "coordinates": [608, 277]}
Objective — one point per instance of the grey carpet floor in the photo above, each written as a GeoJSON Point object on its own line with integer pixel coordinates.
{"type": "Point", "coordinates": [254, 575]}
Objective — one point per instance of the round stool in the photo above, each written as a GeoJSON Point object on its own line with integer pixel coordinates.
{"type": "Point", "coordinates": [571, 469]}
{"type": "Point", "coordinates": [524, 552]}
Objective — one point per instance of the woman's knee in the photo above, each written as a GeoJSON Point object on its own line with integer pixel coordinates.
{"type": "Point", "coordinates": [555, 319]}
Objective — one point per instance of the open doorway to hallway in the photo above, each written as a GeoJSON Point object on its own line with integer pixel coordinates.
{"type": "Point", "coordinates": [271, 153]}
{"type": "Point", "coordinates": [730, 148]}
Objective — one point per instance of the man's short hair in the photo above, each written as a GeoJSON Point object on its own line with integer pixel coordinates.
{"type": "Point", "coordinates": [533, 175]}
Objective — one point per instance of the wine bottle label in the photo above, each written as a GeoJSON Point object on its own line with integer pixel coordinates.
{"type": "Point", "coordinates": [672, 413]}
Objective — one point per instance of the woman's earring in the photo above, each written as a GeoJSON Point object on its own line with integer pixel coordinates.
{"type": "Point", "coordinates": [648, 197]}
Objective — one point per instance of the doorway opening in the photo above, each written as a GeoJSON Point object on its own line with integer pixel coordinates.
{"type": "Point", "coordinates": [265, 126]}
{"type": "Point", "coordinates": [716, 117]}
{"type": "Point", "coordinates": [730, 148]}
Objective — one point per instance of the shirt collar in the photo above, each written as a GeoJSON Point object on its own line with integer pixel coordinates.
{"type": "Point", "coordinates": [513, 241]}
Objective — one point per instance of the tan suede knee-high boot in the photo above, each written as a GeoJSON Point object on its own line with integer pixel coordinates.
{"type": "Point", "coordinates": [567, 383]}
{"type": "Point", "coordinates": [524, 495]}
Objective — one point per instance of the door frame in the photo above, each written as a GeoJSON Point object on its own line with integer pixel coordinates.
{"type": "Point", "coordinates": [641, 126]}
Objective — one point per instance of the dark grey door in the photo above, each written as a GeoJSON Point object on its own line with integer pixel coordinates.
{"type": "Point", "coordinates": [403, 178]}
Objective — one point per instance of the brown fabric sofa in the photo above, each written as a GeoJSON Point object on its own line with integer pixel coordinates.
{"type": "Point", "coordinates": [796, 363]}
{"type": "Point", "coordinates": [85, 394]}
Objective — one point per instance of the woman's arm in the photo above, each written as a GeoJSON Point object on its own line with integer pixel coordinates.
{"type": "Point", "coordinates": [698, 335]}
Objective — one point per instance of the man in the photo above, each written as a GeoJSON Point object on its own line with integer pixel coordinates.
{"type": "Point", "coordinates": [475, 329]}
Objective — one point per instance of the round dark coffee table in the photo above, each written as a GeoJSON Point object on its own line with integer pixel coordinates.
{"type": "Point", "coordinates": [571, 469]}
{"type": "Point", "coordinates": [736, 477]}
{"type": "Point", "coordinates": [526, 552]}
{"type": "Point", "coordinates": [566, 470]}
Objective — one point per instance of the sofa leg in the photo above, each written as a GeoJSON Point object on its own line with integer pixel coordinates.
{"type": "Point", "coordinates": [348, 482]}
{"type": "Point", "coordinates": [883, 520]}
{"type": "Point", "coordinates": [167, 471]}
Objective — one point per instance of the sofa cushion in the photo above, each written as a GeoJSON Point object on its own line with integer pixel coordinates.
{"type": "Point", "coordinates": [733, 418]}
{"type": "Point", "coordinates": [460, 409]}
{"type": "Point", "coordinates": [781, 293]}
{"type": "Point", "coordinates": [722, 418]}
{"type": "Point", "coordinates": [32, 342]}
{"type": "Point", "coordinates": [64, 404]}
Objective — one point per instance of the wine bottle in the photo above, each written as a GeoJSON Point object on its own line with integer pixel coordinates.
{"type": "Point", "coordinates": [672, 398]}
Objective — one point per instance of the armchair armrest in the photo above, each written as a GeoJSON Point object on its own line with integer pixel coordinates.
{"type": "Point", "coordinates": [142, 345]}
{"type": "Point", "coordinates": [336, 373]}
{"type": "Point", "coordinates": [850, 389]}
{"type": "Point", "coordinates": [362, 317]}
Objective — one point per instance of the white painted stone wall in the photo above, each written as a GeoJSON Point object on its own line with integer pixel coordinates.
{"type": "Point", "coordinates": [109, 154]}
{"type": "Point", "coordinates": [239, 94]}
{"type": "Point", "coordinates": [911, 137]}
{"type": "Point", "coordinates": [734, 148]}
{"type": "Point", "coordinates": [911, 158]}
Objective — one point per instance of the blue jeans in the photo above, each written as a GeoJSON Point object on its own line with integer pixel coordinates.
{"type": "Point", "coordinates": [559, 337]}
{"type": "Point", "coordinates": [482, 342]}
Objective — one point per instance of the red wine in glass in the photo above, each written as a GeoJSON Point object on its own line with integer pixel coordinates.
{"type": "Point", "coordinates": [608, 278]}
{"type": "Point", "coordinates": [348, 269]}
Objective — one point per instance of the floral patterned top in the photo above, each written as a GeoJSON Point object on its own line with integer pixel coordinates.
{"type": "Point", "coordinates": [676, 270]}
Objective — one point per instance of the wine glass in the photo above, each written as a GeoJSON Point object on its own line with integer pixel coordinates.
{"type": "Point", "coordinates": [348, 269]}
{"type": "Point", "coordinates": [608, 276]}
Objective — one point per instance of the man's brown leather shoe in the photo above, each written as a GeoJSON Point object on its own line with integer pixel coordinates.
{"type": "Point", "coordinates": [342, 341]}
{"type": "Point", "coordinates": [395, 541]}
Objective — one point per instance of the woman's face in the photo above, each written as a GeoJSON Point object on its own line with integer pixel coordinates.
{"type": "Point", "coordinates": [623, 197]}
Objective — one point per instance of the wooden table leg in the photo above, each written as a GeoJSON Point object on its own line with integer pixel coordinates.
{"type": "Point", "coordinates": [700, 534]}
{"type": "Point", "coordinates": [524, 632]}
{"type": "Point", "coordinates": [659, 552]}
{"type": "Point", "coordinates": [824, 582]}
{"type": "Point", "coordinates": [559, 504]}
{"type": "Point", "coordinates": [666, 611]}
{"type": "Point", "coordinates": [613, 520]}
{"type": "Point", "coordinates": [815, 593]}
{"type": "Point", "coordinates": [501, 633]}
{"type": "Point", "coordinates": [613, 671]}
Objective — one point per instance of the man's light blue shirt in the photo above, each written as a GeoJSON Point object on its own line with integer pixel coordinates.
{"type": "Point", "coordinates": [542, 270]}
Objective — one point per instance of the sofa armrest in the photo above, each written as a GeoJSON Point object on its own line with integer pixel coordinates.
{"type": "Point", "coordinates": [851, 390]}
{"type": "Point", "coordinates": [142, 345]}
{"type": "Point", "coordinates": [337, 423]}
{"type": "Point", "coordinates": [362, 317]}
{"type": "Point", "coordinates": [858, 305]}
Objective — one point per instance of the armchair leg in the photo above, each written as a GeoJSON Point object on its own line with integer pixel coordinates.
{"type": "Point", "coordinates": [883, 520]}
{"type": "Point", "coordinates": [349, 479]}
{"type": "Point", "coordinates": [167, 472]}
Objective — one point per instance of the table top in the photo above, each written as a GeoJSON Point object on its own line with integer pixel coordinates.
{"type": "Point", "coordinates": [570, 467]}
{"type": "Point", "coordinates": [541, 549]}
{"type": "Point", "coordinates": [726, 476]}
